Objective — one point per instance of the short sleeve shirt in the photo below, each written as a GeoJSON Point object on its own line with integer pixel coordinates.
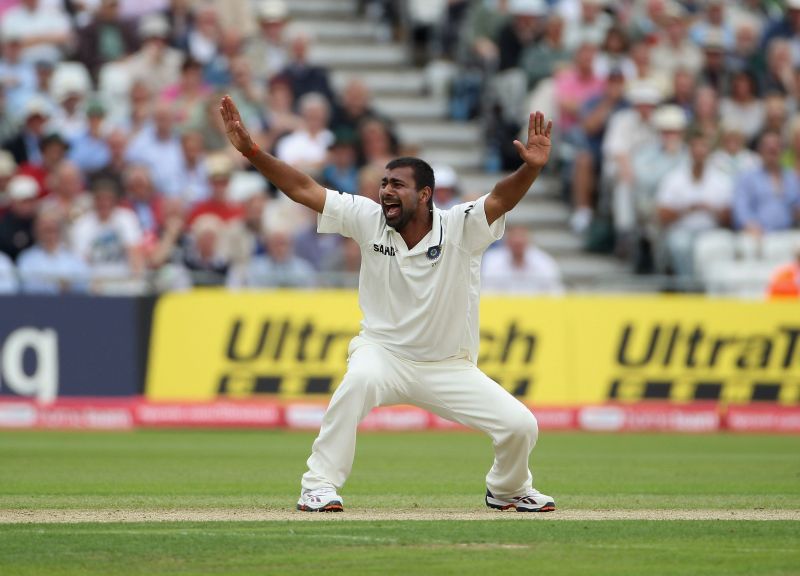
{"type": "Point", "coordinates": [419, 303]}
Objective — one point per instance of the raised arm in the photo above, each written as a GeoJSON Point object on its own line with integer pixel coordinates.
{"type": "Point", "coordinates": [296, 185]}
{"type": "Point", "coordinates": [510, 190]}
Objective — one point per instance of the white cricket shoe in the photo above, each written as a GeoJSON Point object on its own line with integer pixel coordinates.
{"type": "Point", "coordinates": [320, 500]}
{"type": "Point", "coordinates": [532, 501]}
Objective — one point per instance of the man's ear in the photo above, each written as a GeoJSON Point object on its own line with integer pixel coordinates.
{"type": "Point", "coordinates": [426, 194]}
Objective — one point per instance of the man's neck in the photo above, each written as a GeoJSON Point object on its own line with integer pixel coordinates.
{"type": "Point", "coordinates": [416, 230]}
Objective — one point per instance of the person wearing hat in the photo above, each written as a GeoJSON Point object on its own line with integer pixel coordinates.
{"type": "Point", "coordinates": [16, 225]}
{"type": "Point", "coordinates": [651, 164]}
{"type": "Point", "coordinates": [732, 156]}
{"type": "Point", "coordinates": [268, 50]}
{"type": "Point", "coordinates": [89, 150]}
{"type": "Point", "coordinates": [44, 29]}
{"type": "Point", "coordinates": [219, 168]}
{"type": "Point", "coordinates": [25, 146]}
{"type": "Point", "coordinates": [447, 193]}
{"type": "Point", "coordinates": [692, 199]}
{"type": "Point", "coordinates": [591, 24]}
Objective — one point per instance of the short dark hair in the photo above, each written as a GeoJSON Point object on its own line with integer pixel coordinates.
{"type": "Point", "coordinates": [423, 173]}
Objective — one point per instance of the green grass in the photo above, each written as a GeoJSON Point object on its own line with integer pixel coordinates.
{"type": "Point", "coordinates": [245, 470]}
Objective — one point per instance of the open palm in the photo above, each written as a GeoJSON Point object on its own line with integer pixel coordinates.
{"type": "Point", "coordinates": [234, 128]}
{"type": "Point", "coordinates": [536, 152]}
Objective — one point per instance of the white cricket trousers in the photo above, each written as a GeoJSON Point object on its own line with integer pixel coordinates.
{"type": "Point", "coordinates": [454, 389]}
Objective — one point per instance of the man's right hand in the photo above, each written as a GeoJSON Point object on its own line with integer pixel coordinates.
{"type": "Point", "coordinates": [237, 133]}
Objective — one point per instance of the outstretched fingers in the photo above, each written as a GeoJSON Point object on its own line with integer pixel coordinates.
{"type": "Point", "coordinates": [549, 128]}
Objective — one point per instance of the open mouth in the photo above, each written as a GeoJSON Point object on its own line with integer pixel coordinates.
{"type": "Point", "coordinates": [391, 210]}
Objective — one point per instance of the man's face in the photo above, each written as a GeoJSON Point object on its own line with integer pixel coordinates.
{"type": "Point", "coordinates": [399, 196]}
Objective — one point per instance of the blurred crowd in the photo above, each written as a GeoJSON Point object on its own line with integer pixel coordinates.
{"type": "Point", "coordinates": [673, 120]}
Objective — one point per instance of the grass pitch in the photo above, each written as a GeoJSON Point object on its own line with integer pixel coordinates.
{"type": "Point", "coordinates": [245, 471]}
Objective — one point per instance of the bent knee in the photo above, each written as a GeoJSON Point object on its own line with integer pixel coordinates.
{"type": "Point", "coordinates": [524, 424]}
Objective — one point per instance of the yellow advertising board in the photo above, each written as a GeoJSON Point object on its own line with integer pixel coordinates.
{"type": "Point", "coordinates": [547, 351]}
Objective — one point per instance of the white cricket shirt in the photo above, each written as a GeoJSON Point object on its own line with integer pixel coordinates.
{"type": "Point", "coordinates": [422, 303]}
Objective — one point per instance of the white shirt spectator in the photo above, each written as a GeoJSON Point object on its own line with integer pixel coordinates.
{"type": "Point", "coordinates": [749, 117]}
{"type": "Point", "coordinates": [300, 148]}
{"type": "Point", "coordinates": [679, 191]}
{"type": "Point", "coordinates": [104, 245]}
{"type": "Point", "coordinates": [27, 24]}
{"type": "Point", "coordinates": [539, 273]}
{"type": "Point", "coordinates": [627, 131]}
{"type": "Point", "coordinates": [43, 272]}
{"type": "Point", "coordinates": [8, 278]}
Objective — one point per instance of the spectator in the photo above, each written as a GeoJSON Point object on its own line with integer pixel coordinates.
{"type": "Point", "coordinates": [594, 119]}
{"type": "Point", "coordinates": [644, 69]}
{"type": "Point", "coordinates": [25, 146]}
{"type": "Point", "coordinates": [155, 64]}
{"type": "Point", "coordinates": [355, 109]}
{"type": "Point", "coordinates": [480, 32]}
{"type": "Point", "coordinates": [713, 21]}
{"type": "Point", "coordinates": [69, 116]}
{"type": "Point", "coordinates": [16, 225]}
{"type": "Point", "coordinates": [541, 59]}
{"type": "Point", "coordinates": [673, 47]}
{"type": "Point", "coordinates": [17, 76]}
{"type": "Point", "coordinates": [218, 71]}
{"type": "Point", "coordinates": [68, 199]}
{"type": "Point", "coordinates": [304, 77]}
{"type": "Point", "coordinates": [651, 165]}
{"type": "Point", "coordinates": [44, 29]}
{"type": "Point", "coordinates": [140, 197]}
{"type": "Point", "coordinates": [767, 198]}
{"type": "Point", "coordinates": [268, 52]}
{"type": "Point", "coordinates": [684, 87]}
{"type": "Point", "coordinates": [706, 113]}
{"type": "Point", "coordinates": [446, 194]}
{"type": "Point", "coordinates": [341, 171]}
{"type": "Point", "coordinates": [246, 92]}
{"type": "Point", "coordinates": [246, 236]}
{"type": "Point", "coordinates": [779, 75]}
{"type": "Point", "coordinates": [591, 25]}
{"type": "Point", "coordinates": [614, 54]}
{"type": "Point", "coordinates": [107, 38]}
{"type": "Point", "coordinates": [377, 147]}
{"type": "Point", "coordinates": [204, 257]}
{"type": "Point", "coordinates": [521, 31]}
{"type": "Point", "coordinates": [189, 95]}
{"type": "Point", "coordinates": [8, 275]}
{"type": "Point", "coordinates": [732, 156]}
{"type": "Point", "coordinates": [193, 172]}
{"type": "Point", "coordinates": [715, 71]}
{"type": "Point", "coordinates": [204, 35]}
{"type": "Point", "coordinates": [90, 150]}
{"type": "Point", "coordinates": [574, 86]}
{"type": "Point", "coordinates": [744, 105]}
{"type": "Point", "coordinates": [628, 131]}
{"type": "Point", "coordinates": [53, 151]}
{"type": "Point", "coordinates": [219, 168]}
{"type": "Point", "coordinates": [520, 267]}
{"type": "Point", "coordinates": [691, 200]}
{"type": "Point", "coordinates": [281, 118]}
{"type": "Point", "coordinates": [108, 237]}
{"type": "Point", "coordinates": [49, 267]}
{"type": "Point", "coordinates": [117, 142]}
{"type": "Point", "coordinates": [158, 147]}
{"type": "Point", "coordinates": [307, 147]}
{"type": "Point", "coordinates": [281, 269]}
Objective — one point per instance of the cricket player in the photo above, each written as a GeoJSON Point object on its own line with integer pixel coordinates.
{"type": "Point", "coordinates": [419, 289]}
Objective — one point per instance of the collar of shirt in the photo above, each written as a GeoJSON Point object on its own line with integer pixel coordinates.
{"type": "Point", "coordinates": [432, 241]}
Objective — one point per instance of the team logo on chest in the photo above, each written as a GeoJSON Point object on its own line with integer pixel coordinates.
{"type": "Point", "coordinates": [434, 252]}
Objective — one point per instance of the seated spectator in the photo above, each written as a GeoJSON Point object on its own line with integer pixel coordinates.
{"type": "Point", "coordinates": [542, 59]}
{"type": "Point", "coordinates": [204, 34]}
{"type": "Point", "coordinates": [478, 38]}
{"type": "Point", "coordinates": [779, 74]}
{"type": "Point", "coordinates": [8, 275]}
{"type": "Point", "coordinates": [69, 109]}
{"type": "Point", "coordinates": [281, 269]}
{"type": "Point", "coordinates": [377, 147]}
{"type": "Point", "coordinates": [268, 52]}
{"type": "Point", "coordinates": [520, 267]}
{"type": "Point", "coordinates": [90, 150]}
{"type": "Point", "coordinates": [706, 113]}
{"type": "Point", "coordinates": [158, 147]}
{"type": "Point", "coordinates": [49, 267]}
{"type": "Point", "coordinates": [16, 225]}
{"type": "Point", "coordinates": [246, 236]}
{"type": "Point", "coordinates": [355, 109]}
{"type": "Point", "coordinates": [25, 145]}
{"type": "Point", "coordinates": [591, 25]}
{"type": "Point", "coordinates": [43, 27]}
{"type": "Point", "coordinates": [68, 198]}
{"type": "Point", "coordinates": [307, 147]}
{"type": "Point", "coordinates": [691, 200]}
{"type": "Point", "coordinates": [17, 76]}
{"type": "Point", "coordinates": [247, 94]}
{"type": "Point", "coordinates": [218, 71]}
{"type": "Point", "coordinates": [140, 197]}
{"type": "Point", "coordinates": [188, 95]}
{"type": "Point", "coordinates": [446, 194]}
{"type": "Point", "coordinates": [644, 70]}
{"type": "Point", "coordinates": [522, 30]}
{"type": "Point", "coordinates": [193, 175]}
{"type": "Point", "coordinates": [732, 156]}
{"type": "Point", "coordinates": [53, 151]}
{"type": "Point", "coordinates": [107, 38]}
{"type": "Point", "coordinates": [219, 169]}
{"type": "Point", "coordinates": [341, 171]}
{"type": "Point", "coordinates": [684, 86]}
{"type": "Point", "coordinates": [155, 64]}
{"type": "Point", "coordinates": [767, 198]}
{"type": "Point", "coordinates": [673, 47]}
{"type": "Point", "coordinates": [108, 237]}
{"type": "Point", "coordinates": [614, 54]}
{"type": "Point", "coordinates": [628, 131]}
{"type": "Point", "coordinates": [574, 86]}
{"type": "Point", "coordinates": [744, 105]}
{"type": "Point", "coordinates": [714, 19]}
{"type": "Point", "coordinates": [715, 71]}
{"type": "Point", "coordinates": [204, 256]}
{"type": "Point", "coordinates": [304, 77]}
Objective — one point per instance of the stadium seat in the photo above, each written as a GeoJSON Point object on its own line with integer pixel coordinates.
{"type": "Point", "coordinates": [745, 279]}
{"type": "Point", "coordinates": [780, 247]}
{"type": "Point", "coordinates": [748, 247]}
{"type": "Point", "coordinates": [712, 249]}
